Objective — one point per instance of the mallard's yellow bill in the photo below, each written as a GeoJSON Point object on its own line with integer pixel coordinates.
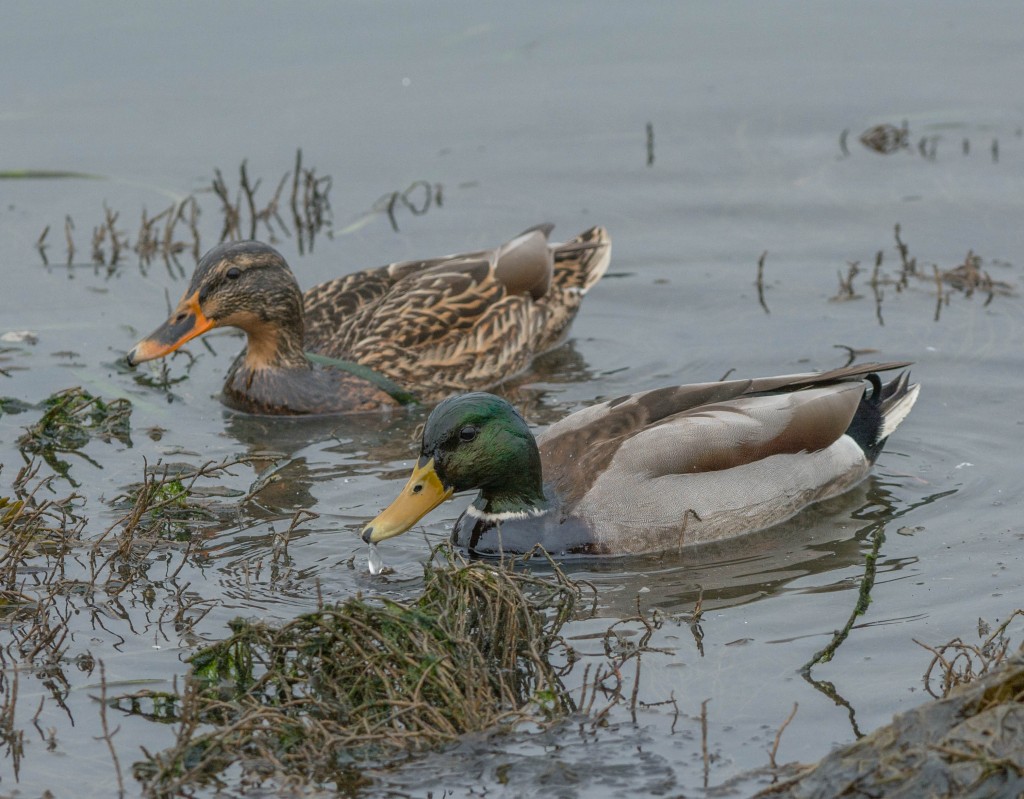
{"type": "Point", "coordinates": [421, 494]}
{"type": "Point", "coordinates": [187, 322]}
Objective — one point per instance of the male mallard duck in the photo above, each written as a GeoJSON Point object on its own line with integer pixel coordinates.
{"type": "Point", "coordinates": [416, 329]}
{"type": "Point", "coordinates": [652, 471]}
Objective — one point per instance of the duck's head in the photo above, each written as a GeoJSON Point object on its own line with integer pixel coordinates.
{"type": "Point", "coordinates": [244, 284]}
{"type": "Point", "coordinates": [472, 441]}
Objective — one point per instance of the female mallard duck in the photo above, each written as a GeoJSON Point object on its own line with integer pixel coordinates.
{"type": "Point", "coordinates": [652, 471]}
{"type": "Point", "coordinates": [416, 329]}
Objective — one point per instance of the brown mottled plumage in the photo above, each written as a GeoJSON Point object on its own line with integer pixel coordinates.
{"type": "Point", "coordinates": [653, 471]}
{"type": "Point", "coordinates": [429, 327]}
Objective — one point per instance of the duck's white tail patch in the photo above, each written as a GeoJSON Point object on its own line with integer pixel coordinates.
{"type": "Point", "coordinates": [898, 411]}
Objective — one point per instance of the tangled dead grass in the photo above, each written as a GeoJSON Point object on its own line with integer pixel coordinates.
{"type": "Point", "coordinates": [958, 663]}
{"type": "Point", "coordinates": [369, 681]}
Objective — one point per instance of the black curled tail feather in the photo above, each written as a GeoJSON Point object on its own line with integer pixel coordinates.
{"type": "Point", "coordinates": [880, 412]}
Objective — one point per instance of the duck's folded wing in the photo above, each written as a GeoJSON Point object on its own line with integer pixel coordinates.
{"type": "Point", "coordinates": [726, 469]}
{"type": "Point", "coordinates": [721, 436]}
{"type": "Point", "coordinates": [681, 429]}
{"type": "Point", "coordinates": [416, 305]}
{"type": "Point", "coordinates": [576, 450]}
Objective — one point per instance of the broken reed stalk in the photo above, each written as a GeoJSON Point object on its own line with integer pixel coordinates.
{"type": "Point", "coordinates": [778, 737]}
{"type": "Point", "coordinates": [938, 292]}
{"type": "Point", "coordinates": [388, 203]}
{"type": "Point", "coordinates": [607, 678]}
{"type": "Point", "coordinates": [908, 265]}
{"type": "Point", "coordinates": [108, 736]}
{"type": "Point", "coordinates": [13, 738]}
{"type": "Point", "coordinates": [704, 740]}
{"type": "Point", "coordinates": [846, 290]}
{"type": "Point", "coordinates": [760, 281]}
{"type": "Point", "coordinates": [249, 192]}
{"type": "Point", "coordinates": [69, 226]}
{"type": "Point", "coordinates": [232, 213]}
{"type": "Point", "coordinates": [876, 288]}
{"type": "Point", "coordinates": [670, 701]}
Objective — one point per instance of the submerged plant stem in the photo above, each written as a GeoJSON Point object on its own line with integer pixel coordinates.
{"type": "Point", "coordinates": [863, 600]}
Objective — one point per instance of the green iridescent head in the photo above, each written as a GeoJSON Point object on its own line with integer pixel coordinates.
{"type": "Point", "coordinates": [472, 441]}
{"type": "Point", "coordinates": [480, 441]}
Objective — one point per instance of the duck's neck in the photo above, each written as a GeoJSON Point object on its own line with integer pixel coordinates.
{"type": "Point", "coordinates": [519, 492]}
{"type": "Point", "coordinates": [275, 342]}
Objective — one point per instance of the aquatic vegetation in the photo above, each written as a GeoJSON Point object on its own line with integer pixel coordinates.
{"type": "Point", "coordinates": [966, 278]}
{"type": "Point", "coordinates": [71, 418]}
{"type": "Point", "coordinates": [160, 235]}
{"type": "Point", "coordinates": [166, 504]}
{"type": "Point", "coordinates": [57, 569]}
{"type": "Point", "coordinates": [12, 406]}
{"type": "Point", "coordinates": [886, 139]}
{"type": "Point", "coordinates": [372, 680]}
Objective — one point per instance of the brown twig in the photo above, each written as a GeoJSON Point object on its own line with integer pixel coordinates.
{"type": "Point", "coordinates": [704, 740]}
{"type": "Point", "coordinates": [778, 737]}
{"type": "Point", "coordinates": [108, 736]}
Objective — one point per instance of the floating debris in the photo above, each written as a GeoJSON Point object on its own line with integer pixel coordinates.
{"type": "Point", "coordinates": [45, 174]}
{"type": "Point", "coordinates": [886, 139]}
{"type": "Point", "coordinates": [20, 337]}
{"type": "Point", "coordinates": [429, 194]}
{"type": "Point", "coordinates": [170, 505]}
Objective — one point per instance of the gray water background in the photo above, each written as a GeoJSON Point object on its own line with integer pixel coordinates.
{"type": "Point", "coordinates": [528, 113]}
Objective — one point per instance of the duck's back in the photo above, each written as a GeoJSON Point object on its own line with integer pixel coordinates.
{"type": "Point", "coordinates": [460, 322]}
{"type": "Point", "coordinates": [685, 465]}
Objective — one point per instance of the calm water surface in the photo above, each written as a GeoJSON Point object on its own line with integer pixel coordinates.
{"type": "Point", "coordinates": [526, 115]}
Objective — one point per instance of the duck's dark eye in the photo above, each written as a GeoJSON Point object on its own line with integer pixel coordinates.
{"type": "Point", "coordinates": [467, 433]}
{"type": "Point", "coordinates": [233, 273]}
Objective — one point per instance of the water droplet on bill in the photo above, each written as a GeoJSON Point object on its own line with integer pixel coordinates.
{"type": "Point", "coordinates": [374, 561]}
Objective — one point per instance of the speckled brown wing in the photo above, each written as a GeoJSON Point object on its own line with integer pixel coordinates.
{"type": "Point", "coordinates": [332, 309]}
{"type": "Point", "coordinates": [329, 305]}
{"type": "Point", "coordinates": [450, 327]}
{"type": "Point", "coordinates": [460, 322]}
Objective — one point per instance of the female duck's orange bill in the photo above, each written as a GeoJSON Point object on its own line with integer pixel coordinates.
{"type": "Point", "coordinates": [421, 494]}
{"type": "Point", "coordinates": [187, 322]}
